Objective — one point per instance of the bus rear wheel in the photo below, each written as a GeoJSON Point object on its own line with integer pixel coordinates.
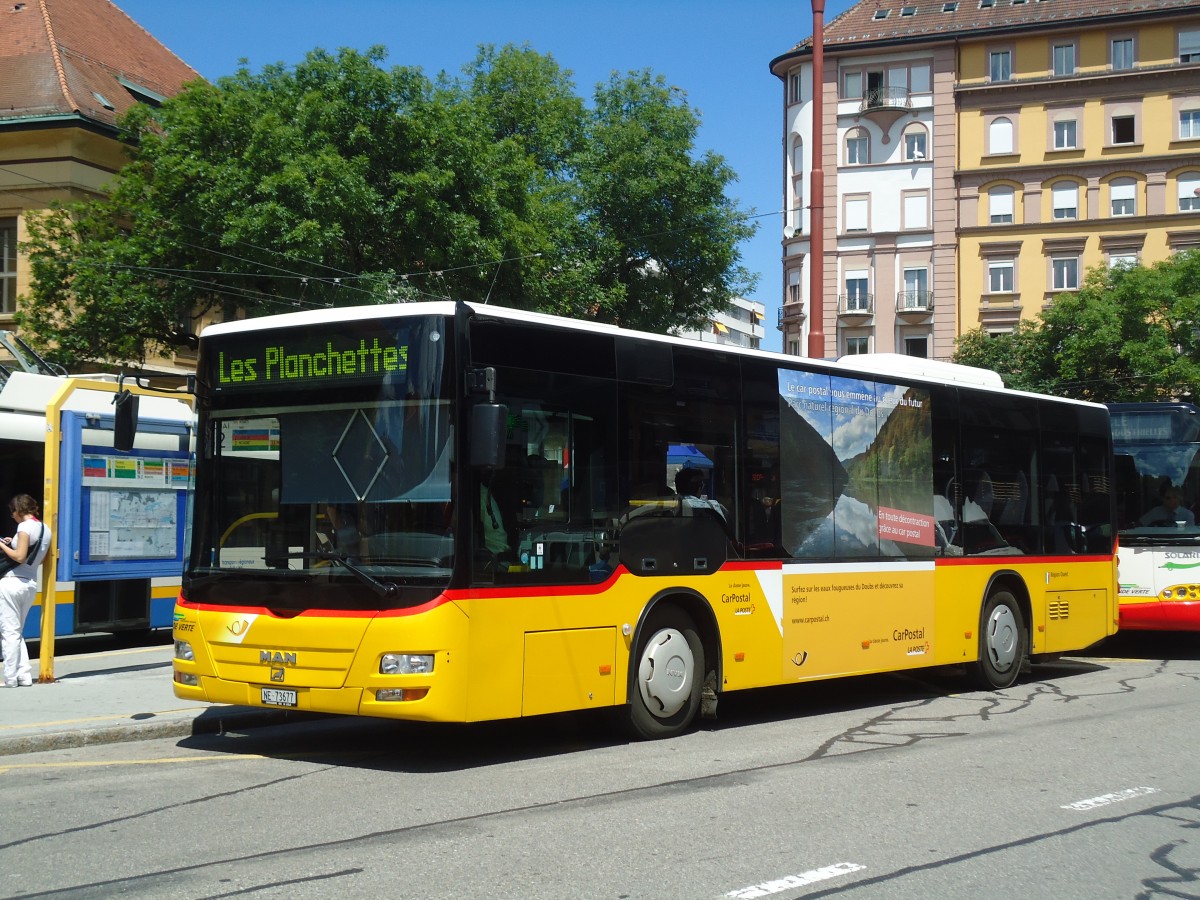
{"type": "Point", "coordinates": [668, 677]}
{"type": "Point", "coordinates": [1002, 642]}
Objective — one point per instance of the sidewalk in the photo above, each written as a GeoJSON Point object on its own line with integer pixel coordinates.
{"type": "Point", "coordinates": [111, 696]}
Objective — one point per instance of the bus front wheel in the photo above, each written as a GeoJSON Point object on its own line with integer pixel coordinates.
{"type": "Point", "coordinates": [1002, 642]}
{"type": "Point", "coordinates": [669, 677]}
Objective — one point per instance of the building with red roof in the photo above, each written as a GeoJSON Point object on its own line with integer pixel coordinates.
{"type": "Point", "coordinates": [68, 70]}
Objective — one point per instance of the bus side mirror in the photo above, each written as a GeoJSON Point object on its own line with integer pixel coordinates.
{"type": "Point", "coordinates": [489, 432]}
{"type": "Point", "coordinates": [125, 420]}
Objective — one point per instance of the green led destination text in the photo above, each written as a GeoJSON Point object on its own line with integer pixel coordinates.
{"type": "Point", "coordinates": [278, 365]}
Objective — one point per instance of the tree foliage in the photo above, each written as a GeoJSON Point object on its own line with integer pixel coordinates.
{"type": "Point", "coordinates": [1129, 334]}
{"type": "Point", "coordinates": [341, 182]}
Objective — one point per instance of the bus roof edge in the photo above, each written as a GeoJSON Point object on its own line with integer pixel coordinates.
{"type": "Point", "coordinates": [901, 366]}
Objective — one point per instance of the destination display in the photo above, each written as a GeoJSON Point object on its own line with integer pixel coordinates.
{"type": "Point", "coordinates": [281, 365]}
{"type": "Point", "coordinates": [312, 358]}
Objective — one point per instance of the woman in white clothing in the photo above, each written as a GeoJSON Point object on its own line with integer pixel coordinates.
{"type": "Point", "coordinates": [18, 586]}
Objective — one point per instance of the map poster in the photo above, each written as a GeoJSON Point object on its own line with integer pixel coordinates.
{"type": "Point", "coordinates": [133, 524]}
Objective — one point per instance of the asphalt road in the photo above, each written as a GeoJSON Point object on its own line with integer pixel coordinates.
{"type": "Point", "coordinates": [1080, 782]}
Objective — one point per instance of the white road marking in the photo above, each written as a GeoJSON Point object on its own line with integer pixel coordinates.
{"type": "Point", "coordinates": [1106, 799]}
{"type": "Point", "coordinates": [788, 882]}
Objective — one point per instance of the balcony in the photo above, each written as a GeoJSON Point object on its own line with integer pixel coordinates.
{"type": "Point", "coordinates": [856, 306]}
{"type": "Point", "coordinates": [886, 98]}
{"type": "Point", "coordinates": [790, 312]}
{"type": "Point", "coordinates": [885, 105]}
{"type": "Point", "coordinates": [914, 303]}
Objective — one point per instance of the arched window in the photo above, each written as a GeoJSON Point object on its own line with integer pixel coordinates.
{"type": "Point", "coordinates": [916, 143]}
{"type": "Point", "coordinates": [1066, 200]}
{"type": "Point", "coordinates": [1123, 197]}
{"type": "Point", "coordinates": [1001, 205]}
{"type": "Point", "coordinates": [796, 212]}
{"type": "Point", "coordinates": [1189, 192]}
{"type": "Point", "coordinates": [1000, 135]}
{"type": "Point", "coordinates": [858, 147]}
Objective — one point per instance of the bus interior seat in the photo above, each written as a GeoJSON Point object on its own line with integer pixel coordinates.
{"type": "Point", "coordinates": [1013, 512]}
{"type": "Point", "coordinates": [945, 524]}
{"type": "Point", "coordinates": [979, 492]}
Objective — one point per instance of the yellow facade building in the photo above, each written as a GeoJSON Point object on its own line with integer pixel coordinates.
{"type": "Point", "coordinates": [1079, 146]}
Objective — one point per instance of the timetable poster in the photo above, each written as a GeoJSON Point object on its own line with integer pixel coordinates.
{"type": "Point", "coordinates": [133, 506]}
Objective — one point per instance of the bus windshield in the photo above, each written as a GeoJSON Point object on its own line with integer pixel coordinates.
{"type": "Point", "coordinates": [1157, 474]}
{"type": "Point", "coordinates": [342, 484]}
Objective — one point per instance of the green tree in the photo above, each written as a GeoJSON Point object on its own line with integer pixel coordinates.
{"type": "Point", "coordinates": [658, 230]}
{"type": "Point", "coordinates": [1016, 356]}
{"type": "Point", "coordinates": [1129, 334]}
{"type": "Point", "coordinates": [342, 182]}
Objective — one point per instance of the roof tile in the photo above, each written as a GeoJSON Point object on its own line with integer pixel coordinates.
{"type": "Point", "coordinates": [56, 56]}
{"type": "Point", "coordinates": [858, 26]}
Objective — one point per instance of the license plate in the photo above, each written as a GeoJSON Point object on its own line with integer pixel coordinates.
{"type": "Point", "coordinates": [277, 697]}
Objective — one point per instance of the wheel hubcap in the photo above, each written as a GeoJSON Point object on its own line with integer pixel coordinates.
{"type": "Point", "coordinates": [1002, 638]}
{"type": "Point", "coordinates": [666, 673]}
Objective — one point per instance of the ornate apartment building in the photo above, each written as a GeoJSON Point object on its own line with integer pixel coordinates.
{"type": "Point", "coordinates": [980, 156]}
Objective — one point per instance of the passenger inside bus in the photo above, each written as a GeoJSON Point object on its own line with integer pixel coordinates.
{"type": "Point", "coordinates": [689, 482]}
{"type": "Point", "coordinates": [496, 541]}
{"type": "Point", "coordinates": [346, 537]}
{"type": "Point", "coordinates": [764, 531]}
{"type": "Point", "coordinates": [1170, 510]}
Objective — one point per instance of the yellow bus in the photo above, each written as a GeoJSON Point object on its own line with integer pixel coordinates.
{"type": "Point", "coordinates": [453, 512]}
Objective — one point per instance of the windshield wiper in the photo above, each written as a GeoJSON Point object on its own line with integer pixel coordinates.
{"type": "Point", "coordinates": [418, 562]}
{"type": "Point", "coordinates": [383, 588]}
{"type": "Point", "coordinates": [209, 577]}
{"type": "Point", "coordinates": [1161, 537]}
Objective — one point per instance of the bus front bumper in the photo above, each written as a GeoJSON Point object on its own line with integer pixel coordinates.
{"type": "Point", "coordinates": [1161, 615]}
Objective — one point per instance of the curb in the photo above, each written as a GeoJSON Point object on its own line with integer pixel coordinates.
{"type": "Point", "coordinates": [211, 721]}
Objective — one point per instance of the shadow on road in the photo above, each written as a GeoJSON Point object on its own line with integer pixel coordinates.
{"type": "Point", "coordinates": [1146, 645]}
{"type": "Point", "coordinates": [417, 747]}
{"type": "Point", "coordinates": [73, 644]}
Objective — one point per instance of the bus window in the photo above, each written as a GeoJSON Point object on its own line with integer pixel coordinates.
{"type": "Point", "coordinates": [1076, 488]}
{"type": "Point", "coordinates": [547, 514]}
{"type": "Point", "coordinates": [944, 420]}
{"type": "Point", "coordinates": [999, 459]}
{"type": "Point", "coordinates": [761, 487]}
{"type": "Point", "coordinates": [691, 425]}
{"type": "Point", "coordinates": [1096, 466]}
{"type": "Point", "coordinates": [856, 468]}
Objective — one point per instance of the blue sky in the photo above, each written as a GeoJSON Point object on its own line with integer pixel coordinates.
{"type": "Point", "coordinates": [718, 52]}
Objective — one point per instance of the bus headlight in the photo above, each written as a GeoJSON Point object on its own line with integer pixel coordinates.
{"type": "Point", "coordinates": [183, 650]}
{"type": "Point", "coordinates": [406, 664]}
